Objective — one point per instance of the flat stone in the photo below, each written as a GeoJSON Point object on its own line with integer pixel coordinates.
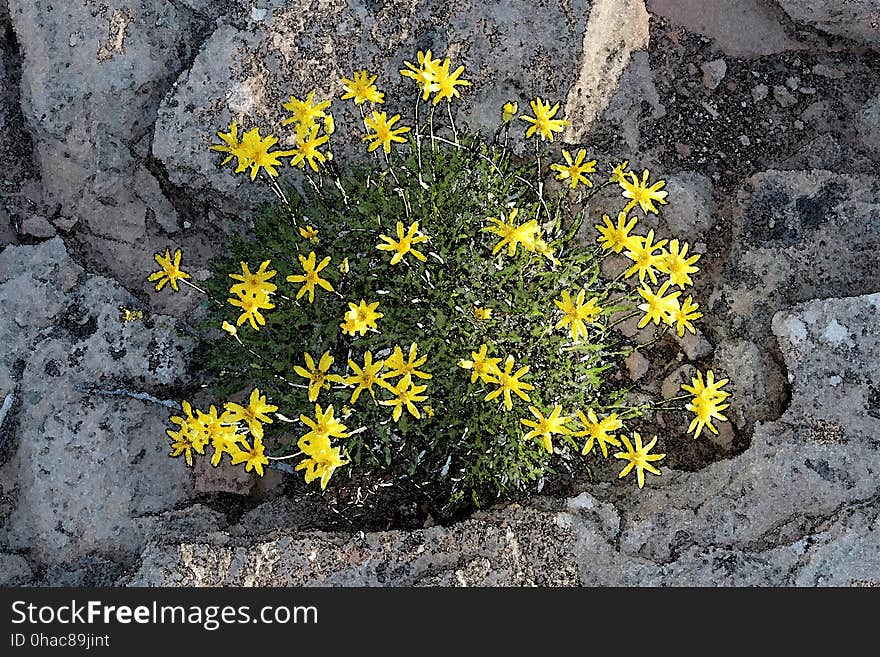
{"type": "Point", "coordinates": [857, 20]}
{"type": "Point", "coordinates": [713, 73]}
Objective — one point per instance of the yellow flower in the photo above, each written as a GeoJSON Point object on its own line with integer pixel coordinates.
{"type": "Point", "coordinates": [254, 414]}
{"type": "Point", "coordinates": [508, 382]}
{"type": "Point", "coordinates": [318, 376]}
{"type": "Point", "coordinates": [383, 131]}
{"type": "Point", "coordinates": [619, 172]}
{"type": "Point", "coordinates": [344, 267]}
{"type": "Point", "coordinates": [361, 89]}
{"type": "Point", "coordinates": [710, 389]}
{"type": "Point", "coordinates": [643, 252]}
{"type": "Point", "coordinates": [397, 366]}
{"type": "Point", "coordinates": [404, 243]}
{"type": "Point", "coordinates": [406, 394]}
{"type": "Point", "coordinates": [545, 427]}
{"type": "Point", "coordinates": [508, 112]}
{"type": "Point", "coordinates": [543, 122]}
{"type": "Point", "coordinates": [513, 235]}
{"type": "Point", "coordinates": [308, 232]}
{"type": "Point", "coordinates": [254, 153]}
{"type": "Point", "coordinates": [361, 317]}
{"type": "Point", "coordinates": [577, 313]}
{"type": "Point", "coordinates": [657, 308]}
{"type": "Point", "coordinates": [254, 284]}
{"type": "Point", "coordinates": [598, 431]}
{"type": "Point", "coordinates": [643, 194]}
{"type": "Point", "coordinates": [638, 458]}
{"type": "Point", "coordinates": [220, 431]}
{"type": "Point", "coordinates": [323, 427]}
{"type": "Point", "coordinates": [574, 169]}
{"type": "Point", "coordinates": [231, 145]}
{"type": "Point", "coordinates": [542, 248]}
{"type": "Point", "coordinates": [424, 74]}
{"type": "Point", "coordinates": [321, 461]}
{"type": "Point", "coordinates": [311, 276]}
{"type": "Point", "coordinates": [482, 314]}
{"type": "Point", "coordinates": [481, 366]}
{"type": "Point", "coordinates": [446, 82]}
{"type": "Point", "coordinates": [189, 437]}
{"type": "Point", "coordinates": [251, 307]}
{"type": "Point", "coordinates": [130, 314]}
{"type": "Point", "coordinates": [229, 328]}
{"type": "Point", "coordinates": [252, 457]}
{"type": "Point", "coordinates": [329, 129]}
{"type": "Point", "coordinates": [707, 402]}
{"type": "Point", "coordinates": [305, 112]}
{"type": "Point", "coordinates": [683, 314]}
{"type": "Point", "coordinates": [365, 378]}
{"type": "Point", "coordinates": [170, 272]}
{"type": "Point", "coordinates": [306, 149]}
{"type": "Point", "coordinates": [678, 265]}
{"type": "Point", "coordinates": [617, 238]}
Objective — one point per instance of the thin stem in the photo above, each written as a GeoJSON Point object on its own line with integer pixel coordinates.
{"type": "Point", "coordinates": [452, 121]}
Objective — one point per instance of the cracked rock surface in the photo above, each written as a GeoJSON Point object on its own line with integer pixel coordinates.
{"type": "Point", "coordinates": [763, 116]}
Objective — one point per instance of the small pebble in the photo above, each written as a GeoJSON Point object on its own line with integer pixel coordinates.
{"type": "Point", "coordinates": [760, 92]}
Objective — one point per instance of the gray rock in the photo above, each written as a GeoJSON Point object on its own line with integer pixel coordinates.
{"type": "Point", "coordinates": [90, 470]}
{"type": "Point", "coordinates": [758, 382]}
{"type": "Point", "coordinates": [15, 570]}
{"type": "Point", "coordinates": [694, 345]}
{"type": "Point", "coordinates": [784, 97]}
{"type": "Point", "coordinates": [690, 213]}
{"type": "Point", "coordinates": [868, 127]}
{"type": "Point", "coordinates": [858, 20]}
{"type": "Point", "coordinates": [37, 227]}
{"type": "Point", "coordinates": [85, 104]}
{"type": "Point", "coordinates": [760, 92]}
{"type": "Point", "coordinates": [245, 74]}
{"type": "Point", "coordinates": [797, 235]}
{"type": "Point", "coordinates": [713, 73]}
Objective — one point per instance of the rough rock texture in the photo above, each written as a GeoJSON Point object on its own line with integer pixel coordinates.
{"type": "Point", "coordinates": [858, 20]}
{"type": "Point", "coordinates": [799, 507]}
{"type": "Point", "coordinates": [92, 77]}
{"type": "Point", "coordinates": [87, 471]}
{"type": "Point", "coordinates": [868, 127]}
{"type": "Point", "coordinates": [244, 74]}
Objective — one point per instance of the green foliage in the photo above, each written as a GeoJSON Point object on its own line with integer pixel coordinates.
{"type": "Point", "coordinates": [469, 451]}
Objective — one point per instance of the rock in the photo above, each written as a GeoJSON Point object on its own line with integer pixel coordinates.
{"type": "Point", "coordinates": [225, 478]}
{"type": "Point", "coordinates": [694, 345]}
{"type": "Point", "coordinates": [516, 547]}
{"type": "Point", "coordinates": [690, 213]}
{"type": "Point", "coordinates": [245, 74]}
{"type": "Point", "coordinates": [759, 30]}
{"type": "Point", "coordinates": [784, 97]}
{"type": "Point", "coordinates": [671, 386]}
{"type": "Point", "coordinates": [123, 57]}
{"type": "Point", "coordinates": [868, 127]}
{"type": "Point", "coordinates": [857, 20]}
{"type": "Point", "coordinates": [825, 71]}
{"type": "Point", "coordinates": [37, 227]}
{"type": "Point", "coordinates": [637, 365]}
{"type": "Point", "coordinates": [8, 234]}
{"type": "Point", "coordinates": [15, 571]}
{"type": "Point", "coordinates": [760, 92]}
{"type": "Point", "coordinates": [90, 470]}
{"type": "Point", "coordinates": [757, 381]}
{"type": "Point", "coordinates": [626, 110]}
{"type": "Point", "coordinates": [713, 73]}
{"type": "Point", "coordinates": [797, 235]}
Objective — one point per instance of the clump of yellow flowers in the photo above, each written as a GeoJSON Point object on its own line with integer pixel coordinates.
{"type": "Point", "coordinates": [438, 314]}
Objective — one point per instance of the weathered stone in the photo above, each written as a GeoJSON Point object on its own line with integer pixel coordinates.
{"type": "Point", "coordinates": [15, 570]}
{"type": "Point", "coordinates": [92, 78]}
{"type": "Point", "coordinates": [757, 381]}
{"type": "Point", "coordinates": [38, 227]}
{"type": "Point", "coordinates": [858, 20]}
{"type": "Point", "coordinates": [868, 127]}
{"type": "Point", "coordinates": [745, 28]}
{"type": "Point", "coordinates": [786, 229]}
{"type": "Point", "coordinates": [690, 213]}
{"type": "Point", "coordinates": [713, 73]}
{"type": "Point", "coordinates": [520, 547]}
{"type": "Point", "coordinates": [637, 365]}
{"type": "Point", "coordinates": [90, 470]}
{"type": "Point", "coordinates": [245, 74]}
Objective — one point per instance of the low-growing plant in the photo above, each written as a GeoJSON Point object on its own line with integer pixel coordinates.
{"type": "Point", "coordinates": [435, 312]}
